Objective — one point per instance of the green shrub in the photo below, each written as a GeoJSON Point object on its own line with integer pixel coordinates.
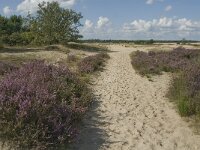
{"type": "Point", "coordinates": [86, 47]}
{"type": "Point", "coordinates": [16, 38]}
{"type": "Point", "coordinates": [27, 38]}
{"type": "Point", "coordinates": [1, 44]}
{"type": "Point", "coordinates": [52, 47]}
{"type": "Point", "coordinates": [179, 93]}
{"type": "Point", "coordinates": [183, 107]}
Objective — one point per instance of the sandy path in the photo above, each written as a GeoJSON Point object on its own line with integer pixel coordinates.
{"type": "Point", "coordinates": [132, 113]}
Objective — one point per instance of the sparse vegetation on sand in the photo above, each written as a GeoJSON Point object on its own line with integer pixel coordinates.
{"type": "Point", "coordinates": [87, 47]}
{"type": "Point", "coordinates": [92, 63]}
{"type": "Point", "coordinates": [185, 87]}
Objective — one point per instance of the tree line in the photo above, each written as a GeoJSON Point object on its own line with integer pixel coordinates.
{"type": "Point", "coordinates": [51, 24]}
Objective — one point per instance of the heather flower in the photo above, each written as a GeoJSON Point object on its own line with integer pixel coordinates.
{"type": "Point", "coordinates": [40, 106]}
{"type": "Point", "coordinates": [92, 63]}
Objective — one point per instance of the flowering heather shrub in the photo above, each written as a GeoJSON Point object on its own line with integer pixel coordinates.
{"type": "Point", "coordinates": [156, 62]}
{"type": "Point", "coordinates": [40, 105]}
{"type": "Point", "coordinates": [185, 89]}
{"type": "Point", "coordinates": [92, 63]}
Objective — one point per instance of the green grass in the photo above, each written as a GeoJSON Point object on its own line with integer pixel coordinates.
{"type": "Point", "coordinates": [178, 93]}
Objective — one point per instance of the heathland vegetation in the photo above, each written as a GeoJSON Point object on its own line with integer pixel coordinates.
{"type": "Point", "coordinates": [42, 102]}
{"type": "Point", "coordinates": [45, 72]}
{"type": "Point", "coordinates": [184, 63]}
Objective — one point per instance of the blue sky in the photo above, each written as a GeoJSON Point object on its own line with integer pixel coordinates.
{"type": "Point", "coordinates": [126, 19]}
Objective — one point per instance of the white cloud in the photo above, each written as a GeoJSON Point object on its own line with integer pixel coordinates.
{"type": "Point", "coordinates": [140, 25]}
{"type": "Point", "coordinates": [103, 22]}
{"type": "Point", "coordinates": [168, 8]}
{"type": "Point", "coordinates": [7, 10]}
{"type": "Point", "coordinates": [101, 29]}
{"type": "Point", "coordinates": [88, 27]}
{"type": "Point", "coordinates": [163, 27]}
{"type": "Point", "coordinates": [31, 5]}
{"type": "Point", "coordinates": [163, 22]}
{"type": "Point", "coordinates": [88, 24]}
{"type": "Point", "coordinates": [149, 2]}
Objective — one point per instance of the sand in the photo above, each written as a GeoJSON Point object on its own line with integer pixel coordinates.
{"type": "Point", "coordinates": [132, 113]}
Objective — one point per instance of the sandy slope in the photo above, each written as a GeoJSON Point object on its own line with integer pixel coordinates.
{"type": "Point", "coordinates": [132, 113]}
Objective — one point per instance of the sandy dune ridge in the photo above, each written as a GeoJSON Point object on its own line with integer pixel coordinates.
{"type": "Point", "coordinates": [131, 113]}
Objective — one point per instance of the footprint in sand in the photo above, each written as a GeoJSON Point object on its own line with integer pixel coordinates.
{"type": "Point", "coordinates": [150, 124]}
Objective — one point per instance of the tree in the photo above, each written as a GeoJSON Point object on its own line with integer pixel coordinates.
{"type": "Point", "coordinates": [53, 24]}
{"type": "Point", "coordinates": [3, 25]}
{"type": "Point", "coordinates": [12, 31]}
{"type": "Point", "coordinates": [11, 25]}
{"type": "Point", "coordinates": [151, 41]}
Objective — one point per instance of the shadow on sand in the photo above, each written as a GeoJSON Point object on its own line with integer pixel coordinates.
{"type": "Point", "coordinates": [91, 137]}
{"type": "Point", "coordinates": [19, 50]}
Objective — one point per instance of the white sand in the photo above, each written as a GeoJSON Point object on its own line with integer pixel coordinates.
{"type": "Point", "coordinates": [132, 113]}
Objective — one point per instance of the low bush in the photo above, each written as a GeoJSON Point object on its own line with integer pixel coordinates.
{"type": "Point", "coordinates": [144, 42]}
{"type": "Point", "coordinates": [156, 62]}
{"type": "Point", "coordinates": [40, 106]}
{"type": "Point", "coordinates": [72, 58]}
{"type": "Point", "coordinates": [92, 63]}
{"type": "Point", "coordinates": [52, 47]}
{"type": "Point", "coordinates": [17, 38]}
{"type": "Point", "coordinates": [185, 88]}
{"type": "Point", "coordinates": [1, 44]}
{"type": "Point", "coordinates": [6, 67]}
{"type": "Point", "coordinates": [87, 47]}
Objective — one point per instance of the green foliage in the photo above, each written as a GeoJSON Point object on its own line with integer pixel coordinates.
{"type": "Point", "coordinates": [50, 25]}
{"type": "Point", "coordinates": [145, 42]}
{"type": "Point", "coordinates": [87, 47]}
{"type": "Point", "coordinates": [53, 24]}
{"type": "Point", "coordinates": [11, 25]}
{"type": "Point", "coordinates": [1, 44]}
{"type": "Point", "coordinates": [13, 31]}
{"type": "Point", "coordinates": [18, 38]}
{"type": "Point", "coordinates": [179, 93]}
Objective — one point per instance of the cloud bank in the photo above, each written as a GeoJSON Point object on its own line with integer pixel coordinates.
{"type": "Point", "coordinates": [31, 5]}
{"type": "Point", "coordinates": [7, 11]}
{"type": "Point", "coordinates": [162, 28]}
